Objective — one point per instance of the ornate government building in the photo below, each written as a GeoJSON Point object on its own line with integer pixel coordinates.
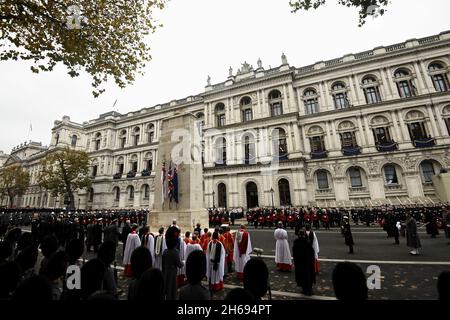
{"type": "Point", "coordinates": [366, 128]}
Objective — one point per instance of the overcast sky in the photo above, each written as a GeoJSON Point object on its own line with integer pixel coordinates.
{"type": "Point", "coordinates": [206, 37]}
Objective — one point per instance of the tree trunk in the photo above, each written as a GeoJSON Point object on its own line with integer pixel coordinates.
{"type": "Point", "coordinates": [71, 205]}
{"type": "Point", "coordinates": [11, 200]}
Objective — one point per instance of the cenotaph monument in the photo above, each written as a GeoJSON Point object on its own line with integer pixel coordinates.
{"type": "Point", "coordinates": [179, 148]}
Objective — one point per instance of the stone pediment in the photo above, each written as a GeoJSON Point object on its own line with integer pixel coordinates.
{"type": "Point", "coordinates": [12, 159]}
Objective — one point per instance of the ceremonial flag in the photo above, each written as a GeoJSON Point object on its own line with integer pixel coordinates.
{"type": "Point", "coordinates": [163, 182]}
{"type": "Point", "coordinates": [175, 185]}
{"type": "Point", "coordinates": [169, 182]}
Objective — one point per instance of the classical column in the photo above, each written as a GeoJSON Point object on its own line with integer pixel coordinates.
{"type": "Point", "coordinates": [327, 97]}
{"type": "Point", "coordinates": [286, 101]}
{"type": "Point", "coordinates": [398, 136]}
{"type": "Point", "coordinates": [369, 135]}
{"type": "Point", "coordinates": [292, 98]}
{"type": "Point", "coordinates": [429, 84]}
{"type": "Point", "coordinates": [296, 136]}
{"type": "Point", "coordinates": [361, 132]}
{"type": "Point", "coordinates": [441, 121]}
{"type": "Point", "coordinates": [353, 97]}
{"type": "Point", "coordinates": [389, 94]}
{"type": "Point", "coordinates": [330, 144]}
{"type": "Point", "coordinates": [336, 138]}
{"type": "Point", "coordinates": [301, 106]}
{"type": "Point", "coordinates": [403, 127]}
{"type": "Point", "coordinates": [359, 93]}
{"type": "Point", "coordinates": [434, 128]}
{"type": "Point", "coordinates": [393, 86]}
{"type": "Point", "coordinates": [265, 108]}
{"type": "Point", "coordinates": [420, 81]}
{"type": "Point", "coordinates": [306, 142]}
{"type": "Point", "coordinates": [258, 113]}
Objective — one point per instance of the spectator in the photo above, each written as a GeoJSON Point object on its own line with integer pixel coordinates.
{"type": "Point", "coordinates": [349, 282]}
{"type": "Point", "coordinates": [256, 278]}
{"type": "Point", "coordinates": [150, 286]}
{"type": "Point", "coordinates": [54, 271]}
{"type": "Point", "coordinates": [35, 288]}
{"type": "Point", "coordinates": [239, 296]}
{"type": "Point", "coordinates": [9, 278]}
{"type": "Point", "coordinates": [304, 257]}
{"type": "Point", "coordinates": [92, 274]}
{"type": "Point", "coordinates": [171, 262]}
{"type": "Point", "coordinates": [195, 272]}
{"type": "Point", "coordinates": [74, 251]}
{"type": "Point", "coordinates": [27, 260]}
{"type": "Point", "coordinates": [5, 250]}
{"type": "Point", "coordinates": [141, 261]}
{"type": "Point", "coordinates": [107, 254]}
{"type": "Point", "coordinates": [49, 246]}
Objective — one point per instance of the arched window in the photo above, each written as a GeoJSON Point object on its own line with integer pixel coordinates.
{"type": "Point", "coordinates": [221, 152]}
{"type": "Point", "coordinates": [355, 177]}
{"type": "Point", "coordinates": [222, 195]}
{"type": "Point", "coordinates": [148, 162]}
{"type": "Point", "coordinates": [438, 76]}
{"type": "Point", "coordinates": [390, 174]}
{"type": "Point", "coordinates": [339, 93]}
{"type": "Point", "coordinates": [134, 163]}
{"type": "Point", "coordinates": [98, 140]}
{"type": "Point", "coordinates": [150, 133]}
{"type": "Point", "coordinates": [322, 180]}
{"type": "Point", "coordinates": [120, 165]}
{"type": "Point", "coordinates": [275, 103]}
{"type": "Point", "coordinates": [371, 90]}
{"type": "Point", "coordinates": [116, 191]}
{"type": "Point", "coordinates": [427, 171]}
{"type": "Point", "coordinates": [137, 135]}
{"type": "Point", "coordinates": [404, 83]}
{"type": "Point", "coordinates": [130, 193]}
{"type": "Point", "coordinates": [220, 114]}
{"type": "Point", "coordinates": [310, 99]}
{"type": "Point", "coordinates": [123, 138]}
{"type": "Point", "coordinates": [246, 109]}
{"type": "Point", "coordinates": [285, 192]}
{"type": "Point", "coordinates": [249, 149]}
{"type": "Point", "coordinates": [279, 143]}
{"type": "Point", "coordinates": [73, 141]}
{"type": "Point", "coordinates": [252, 195]}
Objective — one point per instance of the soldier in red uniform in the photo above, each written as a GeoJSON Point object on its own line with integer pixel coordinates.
{"type": "Point", "coordinates": [315, 220]}
{"type": "Point", "coordinates": [326, 220]}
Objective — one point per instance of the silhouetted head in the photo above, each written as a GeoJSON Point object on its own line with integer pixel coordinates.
{"type": "Point", "coordinates": [49, 245]}
{"type": "Point", "coordinates": [150, 287]}
{"type": "Point", "coordinates": [9, 278]}
{"type": "Point", "coordinates": [141, 261]}
{"type": "Point", "coordinates": [25, 240]}
{"type": "Point", "coordinates": [256, 277]}
{"type": "Point", "coordinates": [56, 266]}
{"type": "Point", "coordinates": [196, 267]}
{"type": "Point", "coordinates": [107, 252]}
{"type": "Point", "coordinates": [34, 288]}
{"type": "Point", "coordinates": [74, 250]}
{"type": "Point", "coordinates": [27, 258]}
{"type": "Point", "coordinates": [444, 286]}
{"type": "Point", "coordinates": [349, 282]}
{"type": "Point", "coordinates": [239, 296]}
{"type": "Point", "coordinates": [6, 250]}
{"type": "Point", "coordinates": [92, 274]}
{"type": "Point", "coordinates": [172, 235]}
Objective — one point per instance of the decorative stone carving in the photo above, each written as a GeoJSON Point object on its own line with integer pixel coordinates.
{"type": "Point", "coordinates": [414, 115]}
{"type": "Point", "coordinates": [346, 125]}
{"type": "Point", "coordinates": [410, 164]}
{"type": "Point", "coordinates": [373, 166]}
{"type": "Point", "coordinates": [337, 168]}
{"type": "Point", "coordinates": [246, 68]}
{"type": "Point", "coordinates": [259, 64]}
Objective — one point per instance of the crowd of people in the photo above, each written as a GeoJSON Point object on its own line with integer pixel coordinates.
{"type": "Point", "coordinates": [167, 264]}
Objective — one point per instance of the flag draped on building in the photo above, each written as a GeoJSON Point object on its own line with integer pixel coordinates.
{"type": "Point", "coordinates": [169, 182]}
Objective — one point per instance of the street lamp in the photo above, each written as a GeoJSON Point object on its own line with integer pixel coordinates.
{"type": "Point", "coordinates": [271, 192]}
{"type": "Point", "coordinates": [214, 203]}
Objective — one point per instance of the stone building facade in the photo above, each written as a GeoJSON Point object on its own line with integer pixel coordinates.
{"type": "Point", "coordinates": [366, 128]}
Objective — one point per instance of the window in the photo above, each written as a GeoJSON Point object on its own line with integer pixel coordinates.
{"type": "Point", "coordinates": [123, 139]}
{"type": "Point", "coordinates": [150, 133]}
{"type": "Point", "coordinates": [116, 194]}
{"type": "Point", "coordinates": [275, 103]}
{"type": "Point", "coordinates": [221, 152]}
{"type": "Point", "coordinates": [222, 195]}
{"type": "Point", "coordinates": [355, 177]}
{"type": "Point", "coordinates": [220, 115]}
{"type": "Point", "coordinates": [404, 89]}
{"type": "Point", "coordinates": [390, 174]}
{"type": "Point", "coordinates": [73, 143]}
{"type": "Point", "coordinates": [311, 102]}
{"type": "Point", "coordinates": [381, 135]}
{"type": "Point", "coordinates": [137, 136]}
{"type": "Point", "coordinates": [417, 131]}
{"type": "Point", "coordinates": [438, 76]}
{"type": "Point", "coordinates": [131, 193]}
{"type": "Point", "coordinates": [91, 195]}
{"type": "Point", "coordinates": [317, 144]}
{"type": "Point", "coordinates": [149, 165]}
{"type": "Point", "coordinates": [404, 82]}
{"type": "Point", "coordinates": [134, 166]}
{"type": "Point", "coordinates": [249, 150]}
{"type": "Point", "coordinates": [284, 192]}
{"type": "Point", "coordinates": [322, 179]}
{"type": "Point", "coordinates": [121, 168]}
{"type": "Point", "coordinates": [98, 139]}
{"type": "Point", "coordinates": [371, 92]}
{"type": "Point", "coordinates": [247, 115]}
{"type": "Point", "coordinates": [279, 138]}
{"type": "Point", "coordinates": [340, 98]}
{"type": "Point", "coordinates": [146, 191]}
{"type": "Point", "coordinates": [94, 170]}
{"type": "Point", "coordinates": [348, 140]}
{"type": "Point", "coordinates": [447, 122]}
{"type": "Point", "coordinates": [427, 171]}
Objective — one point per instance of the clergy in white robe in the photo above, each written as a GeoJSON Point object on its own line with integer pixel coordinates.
{"type": "Point", "coordinates": [282, 251]}
{"type": "Point", "coordinates": [148, 241]}
{"type": "Point", "coordinates": [191, 247]}
{"type": "Point", "coordinates": [160, 246]}
{"type": "Point", "coordinates": [181, 275]}
{"type": "Point", "coordinates": [132, 243]}
{"type": "Point", "coordinates": [215, 263]}
{"type": "Point", "coordinates": [312, 240]}
{"type": "Point", "coordinates": [242, 250]}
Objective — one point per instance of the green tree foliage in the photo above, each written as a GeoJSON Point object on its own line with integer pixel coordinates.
{"type": "Point", "coordinates": [64, 172]}
{"type": "Point", "coordinates": [14, 182]}
{"type": "Point", "coordinates": [366, 7]}
{"type": "Point", "coordinates": [105, 38]}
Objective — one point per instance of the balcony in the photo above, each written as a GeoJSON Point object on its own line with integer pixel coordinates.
{"type": "Point", "coordinates": [357, 189]}
{"type": "Point", "coordinates": [117, 176]}
{"type": "Point", "coordinates": [145, 173]}
{"type": "Point", "coordinates": [319, 154]}
{"type": "Point", "coordinates": [324, 191]}
{"type": "Point", "coordinates": [351, 151]}
{"type": "Point", "coordinates": [424, 142]}
{"type": "Point", "coordinates": [393, 187]}
{"type": "Point", "coordinates": [387, 146]}
{"type": "Point", "coordinates": [131, 174]}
